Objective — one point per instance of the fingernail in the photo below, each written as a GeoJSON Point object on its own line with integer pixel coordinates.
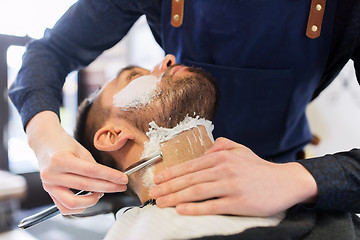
{"type": "Point", "coordinates": [123, 180]}
{"type": "Point", "coordinates": [101, 195]}
{"type": "Point", "coordinates": [155, 192]}
{"type": "Point", "coordinates": [159, 178]}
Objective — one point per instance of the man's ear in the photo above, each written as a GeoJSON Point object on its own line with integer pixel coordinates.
{"type": "Point", "coordinates": [110, 139]}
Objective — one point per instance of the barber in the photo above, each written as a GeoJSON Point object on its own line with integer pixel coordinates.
{"type": "Point", "coordinates": [270, 58]}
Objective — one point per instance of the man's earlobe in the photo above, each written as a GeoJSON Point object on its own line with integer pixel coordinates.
{"type": "Point", "coordinates": [109, 139]}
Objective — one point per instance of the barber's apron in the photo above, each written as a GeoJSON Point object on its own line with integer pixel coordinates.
{"type": "Point", "coordinates": [266, 67]}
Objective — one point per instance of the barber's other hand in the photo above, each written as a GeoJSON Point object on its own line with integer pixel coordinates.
{"type": "Point", "coordinates": [65, 164]}
{"type": "Point", "coordinates": [231, 179]}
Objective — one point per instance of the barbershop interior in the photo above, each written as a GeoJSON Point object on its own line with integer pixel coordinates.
{"type": "Point", "coordinates": [21, 191]}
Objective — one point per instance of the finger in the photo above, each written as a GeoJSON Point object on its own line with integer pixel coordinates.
{"type": "Point", "coordinates": [222, 144]}
{"type": "Point", "coordinates": [71, 201]}
{"type": "Point", "coordinates": [71, 164]}
{"type": "Point", "coordinates": [209, 207]}
{"type": "Point", "coordinates": [84, 183]}
{"type": "Point", "coordinates": [232, 206]}
{"type": "Point", "coordinates": [183, 182]}
{"type": "Point", "coordinates": [65, 211]}
{"type": "Point", "coordinates": [187, 167]}
{"type": "Point", "coordinates": [192, 194]}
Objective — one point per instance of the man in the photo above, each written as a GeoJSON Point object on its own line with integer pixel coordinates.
{"type": "Point", "coordinates": [116, 135]}
{"type": "Point", "coordinates": [173, 120]}
{"type": "Point", "coordinates": [119, 129]}
{"type": "Point", "coordinates": [270, 61]}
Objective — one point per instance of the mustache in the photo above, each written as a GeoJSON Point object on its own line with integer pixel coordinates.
{"type": "Point", "coordinates": [197, 73]}
{"type": "Point", "coordinates": [175, 65]}
{"type": "Point", "coordinates": [191, 69]}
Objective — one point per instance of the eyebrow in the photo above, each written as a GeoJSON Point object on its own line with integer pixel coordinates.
{"type": "Point", "coordinates": [128, 68]}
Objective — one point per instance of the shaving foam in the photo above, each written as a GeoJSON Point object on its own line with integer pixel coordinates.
{"type": "Point", "coordinates": [138, 92]}
{"type": "Point", "coordinates": [158, 135]}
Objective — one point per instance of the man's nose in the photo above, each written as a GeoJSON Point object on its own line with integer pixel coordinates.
{"type": "Point", "coordinates": [160, 68]}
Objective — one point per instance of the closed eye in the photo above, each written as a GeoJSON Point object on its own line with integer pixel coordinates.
{"type": "Point", "coordinates": [133, 75]}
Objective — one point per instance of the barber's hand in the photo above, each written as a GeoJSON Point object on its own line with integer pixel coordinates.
{"type": "Point", "coordinates": [65, 164]}
{"type": "Point", "coordinates": [231, 179]}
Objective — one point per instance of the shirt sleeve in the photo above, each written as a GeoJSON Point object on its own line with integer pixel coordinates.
{"type": "Point", "coordinates": [338, 180]}
{"type": "Point", "coordinates": [87, 29]}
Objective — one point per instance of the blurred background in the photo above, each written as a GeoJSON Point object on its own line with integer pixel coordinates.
{"type": "Point", "coordinates": [333, 116]}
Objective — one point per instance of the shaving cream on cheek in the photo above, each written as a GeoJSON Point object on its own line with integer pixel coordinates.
{"type": "Point", "coordinates": [157, 135]}
{"type": "Point", "coordinates": [138, 92]}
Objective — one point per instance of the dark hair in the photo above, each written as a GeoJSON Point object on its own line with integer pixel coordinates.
{"type": "Point", "coordinates": [194, 95]}
{"type": "Point", "coordinates": [91, 116]}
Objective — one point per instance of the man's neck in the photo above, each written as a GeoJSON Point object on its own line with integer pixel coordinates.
{"type": "Point", "coordinates": [187, 145]}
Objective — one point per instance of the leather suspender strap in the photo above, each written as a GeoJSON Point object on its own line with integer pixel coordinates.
{"type": "Point", "coordinates": [313, 28]}
{"type": "Point", "coordinates": [316, 15]}
{"type": "Point", "coordinates": [177, 13]}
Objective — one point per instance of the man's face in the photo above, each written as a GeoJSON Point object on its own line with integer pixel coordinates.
{"type": "Point", "coordinates": [184, 91]}
{"type": "Point", "coordinates": [167, 69]}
